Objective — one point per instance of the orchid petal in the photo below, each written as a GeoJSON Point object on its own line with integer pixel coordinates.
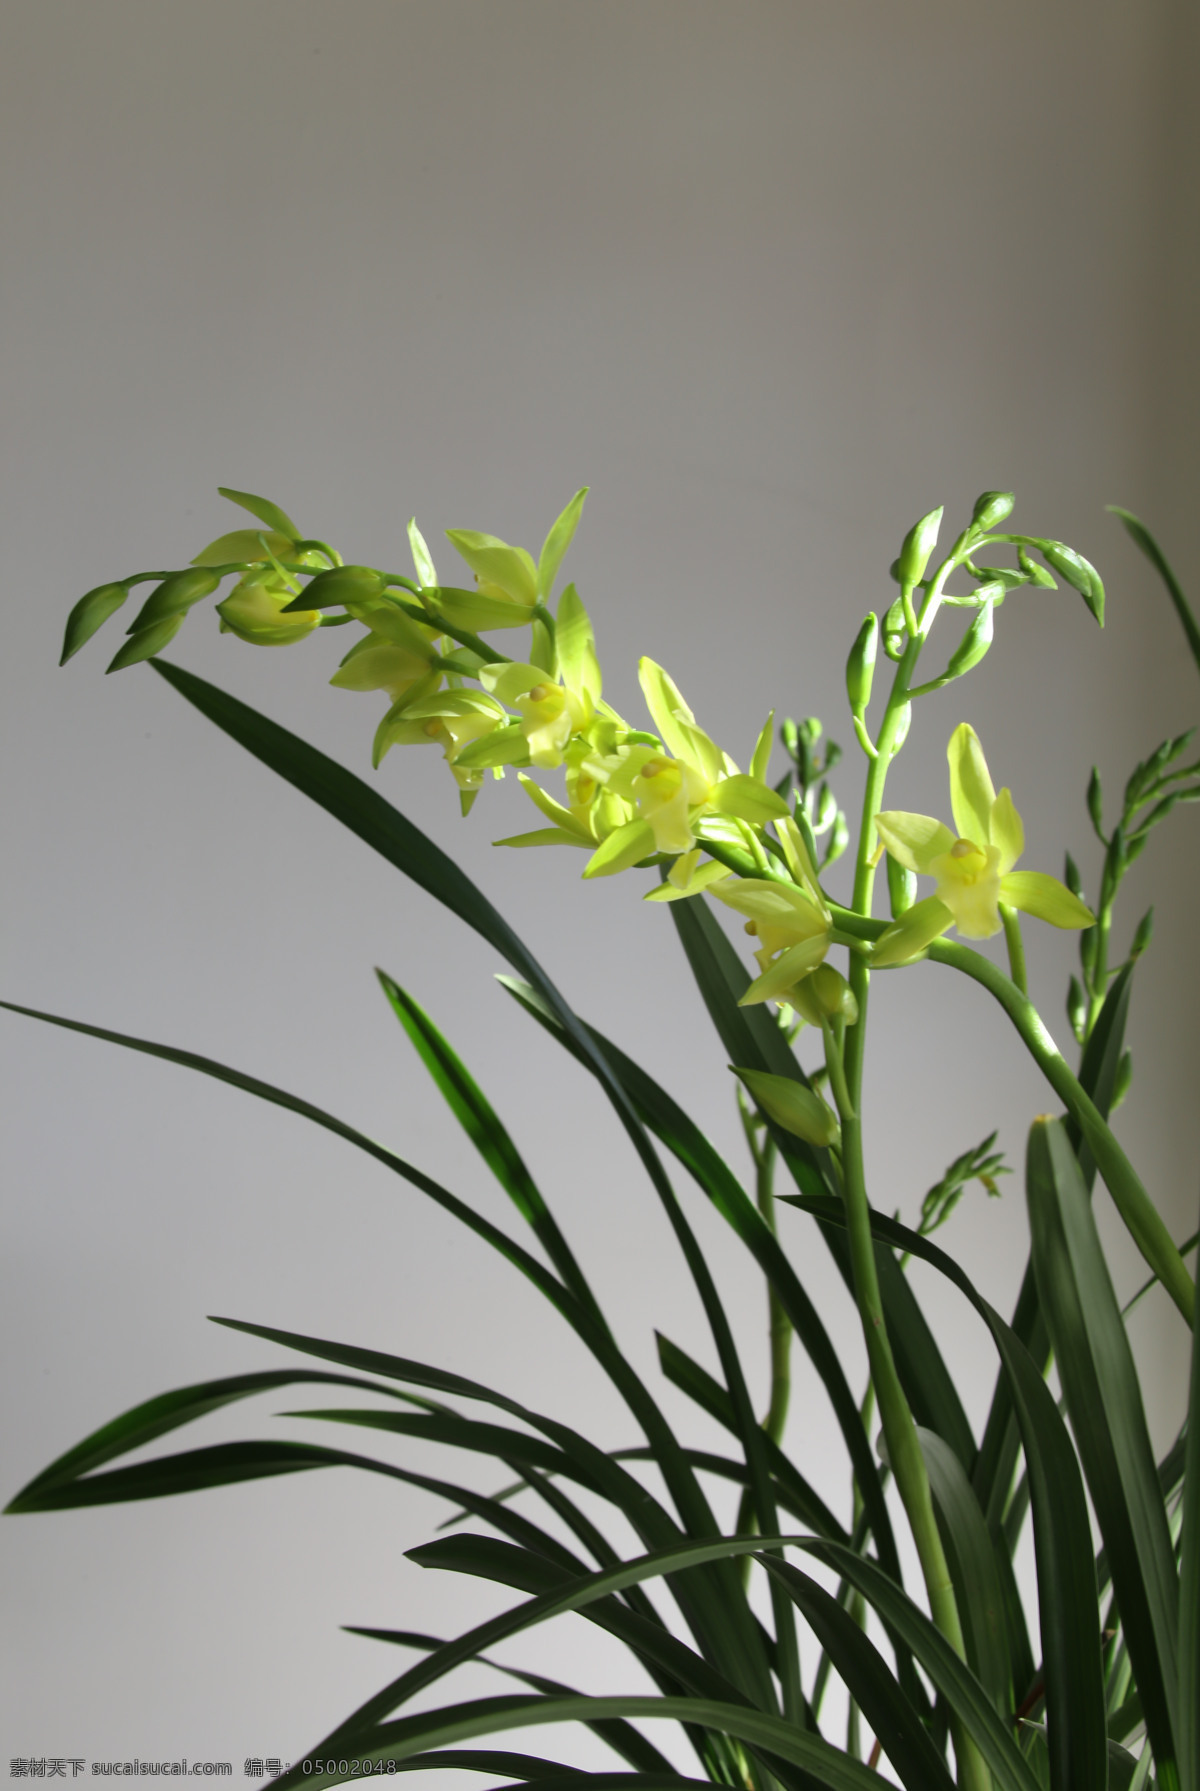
{"type": "Point", "coordinates": [913, 840]}
{"type": "Point", "coordinates": [912, 934]}
{"type": "Point", "coordinates": [626, 846]}
{"type": "Point", "coordinates": [787, 970]}
{"type": "Point", "coordinates": [749, 799]}
{"type": "Point", "coordinates": [1006, 831]}
{"type": "Point", "coordinates": [702, 878]}
{"type": "Point", "coordinates": [544, 836]}
{"type": "Point", "coordinates": [971, 790]}
{"type": "Point", "coordinates": [1043, 896]}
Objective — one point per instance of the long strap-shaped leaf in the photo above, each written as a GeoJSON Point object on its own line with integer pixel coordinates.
{"type": "Point", "coordinates": [1067, 1596]}
{"type": "Point", "coordinates": [722, 1610]}
{"type": "Point", "coordinates": [704, 1606]}
{"type": "Point", "coordinates": [478, 1118]}
{"type": "Point", "coordinates": [754, 1041]}
{"type": "Point", "coordinates": [622, 1737]}
{"type": "Point", "coordinates": [491, 1138]}
{"type": "Point", "coordinates": [1189, 1591]}
{"type": "Point", "coordinates": [952, 1678]}
{"type": "Point", "coordinates": [684, 1139]}
{"type": "Point", "coordinates": [771, 1737]}
{"type": "Point", "coordinates": [993, 1476]}
{"type": "Point", "coordinates": [153, 1418]}
{"type": "Point", "coordinates": [480, 1554]}
{"type": "Point", "coordinates": [1100, 1386]}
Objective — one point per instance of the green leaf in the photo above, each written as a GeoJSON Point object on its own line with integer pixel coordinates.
{"type": "Point", "coordinates": [264, 509]}
{"type": "Point", "coordinates": [153, 1418]}
{"type": "Point", "coordinates": [771, 1736]}
{"type": "Point", "coordinates": [872, 1684]}
{"type": "Point", "coordinates": [480, 1121]}
{"type": "Point", "coordinates": [1103, 1399]}
{"type": "Point", "coordinates": [1067, 1592]}
{"type": "Point", "coordinates": [1154, 553]}
{"type": "Point", "coordinates": [973, 1569]}
{"type": "Point", "coordinates": [684, 1139]}
{"type": "Point", "coordinates": [1188, 1701]}
{"type": "Point", "coordinates": [950, 1675]}
{"type": "Point", "coordinates": [622, 1737]}
{"type": "Point", "coordinates": [556, 544]}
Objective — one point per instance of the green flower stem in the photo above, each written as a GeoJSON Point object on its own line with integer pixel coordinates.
{"type": "Point", "coordinates": [1016, 946]}
{"type": "Point", "coordinates": [845, 1079]}
{"type": "Point", "coordinates": [1142, 1218]}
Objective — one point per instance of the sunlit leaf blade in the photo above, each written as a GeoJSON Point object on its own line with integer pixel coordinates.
{"type": "Point", "coordinates": [949, 1674]}
{"type": "Point", "coordinates": [1100, 1386]}
{"type": "Point", "coordinates": [622, 1737]}
{"type": "Point", "coordinates": [153, 1418]}
{"type": "Point", "coordinates": [972, 1559]}
{"type": "Point", "coordinates": [483, 1126]}
{"type": "Point", "coordinates": [1067, 1592]}
{"type": "Point", "coordinates": [870, 1682]}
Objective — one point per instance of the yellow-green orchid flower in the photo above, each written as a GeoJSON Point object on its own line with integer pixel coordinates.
{"type": "Point", "coordinates": [396, 656]}
{"type": "Point", "coordinates": [793, 926]}
{"type": "Point", "coordinates": [451, 719]}
{"type": "Point", "coordinates": [671, 788]}
{"type": "Point", "coordinates": [973, 866]}
{"type": "Point", "coordinates": [508, 584]}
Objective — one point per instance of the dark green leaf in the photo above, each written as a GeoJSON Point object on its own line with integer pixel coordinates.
{"type": "Point", "coordinates": [483, 1126]}
{"type": "Point", "coordinates": [1189, 1591]}
{"type": "Point", "coordinates": [973, 1569]}
{"type": "Point", "coordinates": [1103, 1399]}
{"type": "Point", "coordinates": [1154, 553]}
{"type": "Point", "coordinates": [1067, 1593]}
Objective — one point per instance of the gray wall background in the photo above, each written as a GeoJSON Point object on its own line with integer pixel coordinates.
{"type": "Point", "coordinates": [773, 279]}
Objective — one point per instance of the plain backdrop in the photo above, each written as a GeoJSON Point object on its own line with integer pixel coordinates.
{"type": "Point", "coordinates": [772, 279]}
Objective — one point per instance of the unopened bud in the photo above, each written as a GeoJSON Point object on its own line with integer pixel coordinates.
{"type": "Point", "coordinates": [893, 631]}
{"type": "Point", "coordinates": [340, 587]}
{"type": "Point", "coordinates": [792, 1106]}
{"type": "Point", "coordinates": [903, 723]}
{"type": "Point", "coordinates": [824, 995]}
{"type": "Point", "coordinates": [991, 507]}
{"type": "Point", "coordinates": [1145, 931]}
{"type": "Point", "coordinates": [90, 613]}
{"type": "Point", "coordinates": [860, 667]}
{"type": "Point", "coordinates": [1076, 1008]}
{"type": "Point", "coordinates": [974, 643]}
{"type": "Point", "coordinates": [1095, 801]}
{"type": "Point", "coordinates": [919, 543]}
{"type": "Point", "coordinates": [175, 596]}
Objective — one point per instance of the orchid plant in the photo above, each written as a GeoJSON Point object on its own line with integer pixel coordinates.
{"type": "Point", "coordinates": [950, 1682]}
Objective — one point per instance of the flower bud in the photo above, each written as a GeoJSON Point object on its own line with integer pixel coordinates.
{"type": "Point", "coordinates": [146, 642]}
{"type": "Point", "coordinates": [1095, 801]}
{"type": "Point", "coordinates": [175, 596]}
{"type": "Point", "coordinates": [991, 507]}
{"type": "Point", "coordinates": [1122, 1081]}
{"type": "Point", "coordinates": [974, 643]}
{"type": "Point", "coordinates": [1076, 1008]}
{"type": "Point", "coordinates": [340, 587]}
{"type": "Point", "coordinates": [824, 995]}
{"type": "Point", "coordinates": [1037, 575]}
{"type": "Point", "coordinates": [919, 543]}
{"type": "Point", "coordinates": [791, 1105]}
{"type": "Point", "coordinates": [860, 667]}
{"type": "Point", "coordinates": [1071, 877]}
{"type": "Point", "coordinates": [90, 613]}
{"type": "Point", "coordinates": [903, 723]}
{"type": "Point", "coordinates": [1145, 931]}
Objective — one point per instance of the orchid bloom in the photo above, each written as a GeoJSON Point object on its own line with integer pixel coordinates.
{"type": "Point", "coordinates": [672, 786]}
{"type": "Point", "coordinates": [973, 870]}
